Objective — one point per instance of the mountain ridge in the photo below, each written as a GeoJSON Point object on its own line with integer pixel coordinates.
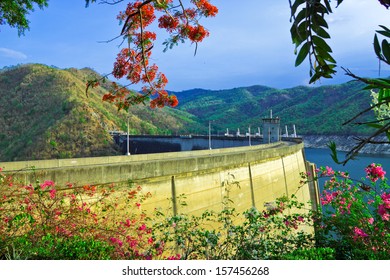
{"type": "Point", "coordinates": [46, 113]}
{"type": "Point", "coordinates": [319, 110]}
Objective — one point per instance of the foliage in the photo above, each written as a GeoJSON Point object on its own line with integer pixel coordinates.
{"type": "Point", "coordinates": [13, 13]}
{"type": "Point", "coordinates": [309, 31]}
{"type": "Point", "coordinates": [382, 113]}
{"type": "Point", "coordinates": [78, 124]}
{"type": "Point", "coordinates": [355, 214]}
{"type": "Point", "coordinates": [73, 124]}
{"type": "Point", "coordinates": [50, 247]}
{"type": "Point", "coordinates": [133, 61]}
{"type": "Point", "coordinates": [311, 254]}
{"type": "Point", "coordinates": [302, 106]}
{"type": "Point", "coordinates": [44, 221]}
{"type": "Point", "coordinates": [267, 234]}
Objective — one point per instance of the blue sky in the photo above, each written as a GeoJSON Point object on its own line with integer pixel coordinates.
{"type": "Point", "coordinates": [249, 43]}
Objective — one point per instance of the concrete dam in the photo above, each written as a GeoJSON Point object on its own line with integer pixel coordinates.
{"type": "Point", "coordinates": [249, 176]}
{"type": "Point", "coordinates": [146, 144]}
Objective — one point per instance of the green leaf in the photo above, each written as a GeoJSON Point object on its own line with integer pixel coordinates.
{"type": "Point", "coordinates": [295, 6]}
{"type": "Point", "coordinates": [324, 55]}
{"type": "Point", "coordinates": [321, 9]}
{"type": "Point", "coordinates": [384, 28]}
{"type": "Point", "coordinates": [380, 95]}
{"type": "Point", "coordinates": [377, 47]}
{"type": "Point", "coordinates": [319, 42]}
{"type": "Point", "coordinates": [384, 94]}
{"type": "Point", "coordinates": [299, 34]}
{"type": "Point", "coordinates": [320, 31]}
{"type": "Point", "coordinates": [374, 125]}
{"type": "Point", "coordinates": [368, 87]}
{"type": "Point", "coordinates": [301, 15]}
{"type": "Point", "coordinates": [386, 50]}
{"type": "Point", "coordinates": [339, 2]}
{"type": "Point", "coordinates": [384, 33]}
{"type": "Point", "coordinates": [385, 82]}
{"type": "Point", "coordinates": [333, 149]}
{"type": "Point", "coordinates": [328, 7]}
{"type": "Point", "coordinates": [315, 77]}
{"type": "Point", "coordinates": [319, 20]}
{"type": "Point", "coordinates": [304, 51]}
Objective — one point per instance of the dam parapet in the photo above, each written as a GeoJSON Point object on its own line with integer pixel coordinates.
{"type": "Point", "coordinates": [251, 176]}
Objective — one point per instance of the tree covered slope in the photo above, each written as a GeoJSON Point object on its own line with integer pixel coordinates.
{"type": "Point", "coordinates": [314, 110]}
{"type": "Point", "coordinates": [45, 112]}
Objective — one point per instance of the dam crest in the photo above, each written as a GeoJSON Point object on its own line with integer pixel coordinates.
{"type": "Point", "coordinates": [255, 175]}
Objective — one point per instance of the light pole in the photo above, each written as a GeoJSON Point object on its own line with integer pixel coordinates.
{"type": "Point", "coordinates": [128, 137]}
{"type": "Point", "coordinates": [249, 130]}
{"type": "Point", "coordinates": [210, 135]}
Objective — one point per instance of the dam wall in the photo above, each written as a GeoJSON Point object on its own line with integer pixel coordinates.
{"type": "Point", "coordinates": [146, 144]}
{"type": "Point", "coordinates": [251, 176]}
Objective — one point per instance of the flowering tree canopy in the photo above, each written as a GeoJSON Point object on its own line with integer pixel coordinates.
{"type": "Point", "coordinates": [133, 61]}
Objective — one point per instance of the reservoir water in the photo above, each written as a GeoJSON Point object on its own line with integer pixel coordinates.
{"type": "Point", "coordinates": [321, 157]}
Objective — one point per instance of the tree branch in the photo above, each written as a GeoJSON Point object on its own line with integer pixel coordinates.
{"type": "Point", "coordinates": [363, 142]}
{"type": "Point", "coordinates": [124, 29]}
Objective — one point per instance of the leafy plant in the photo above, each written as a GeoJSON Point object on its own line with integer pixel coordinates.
{"type": "Point", "coordinates": [355, 214]}
{"type": "Point", "coordinates": [308, 33]}
{"type": "Point", "coordinates": [43, 221]}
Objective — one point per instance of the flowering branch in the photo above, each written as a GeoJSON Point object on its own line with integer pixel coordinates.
{"type": "Point", "coordinates": [132, 62]}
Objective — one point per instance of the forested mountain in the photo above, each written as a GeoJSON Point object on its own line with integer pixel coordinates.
{"type": "Point", "coordinates": [45, 112]}
{"type": "Point", "coordinates": [314, 110]}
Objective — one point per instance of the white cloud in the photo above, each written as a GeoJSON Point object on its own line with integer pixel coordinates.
{"type": "Point", "coordinates": [12, 54]}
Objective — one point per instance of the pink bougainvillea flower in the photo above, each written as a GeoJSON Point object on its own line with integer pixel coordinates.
{"type": "Point", "coordinates": [374, 172]}
{"type": "Point", "coordinates": [142, 227]}
{"type": "Point", "coordinates": [329, 171]}
{"type": "Point", "coordinates": [328, 197]}
{"type": "Point", "coordinates": [359, 233]}
{"type": "Point", "coordinates": [52, 193]}
{"type": "Point", "coordinates": [386, 199]}
{"type": "Point", "coordinates": [47, 184]}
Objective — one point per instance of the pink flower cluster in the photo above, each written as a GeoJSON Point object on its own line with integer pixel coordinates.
{"type": "Point", "coordinates": [47, 184]}
{"type": "Point", "coordinates": [116, 241]}
{"type": "Point", "coordinates": [327, 171]}
{"type": "Point", "coordinates": [174, 258]}
{"type": "Point", "coordinates": [384, 208]}
{"type": "Point", "coordinates": [375, 172]}
{"type": "Point", "coordinates": [328, 197]}
{"type": "Point", "coordinates": [359, 233]}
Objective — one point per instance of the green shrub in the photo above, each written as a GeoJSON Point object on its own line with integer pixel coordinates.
{"type": "Point", "coordinates": [311, 254]}
{"type": "Point", "coordinates": [50, 247]}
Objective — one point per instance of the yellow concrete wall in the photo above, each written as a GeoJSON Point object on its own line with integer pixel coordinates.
{"type": "Point", "coordinates": [249, 176]}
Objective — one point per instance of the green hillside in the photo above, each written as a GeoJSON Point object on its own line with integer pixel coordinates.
{"type": "Point", "coordinates": [314, 110]}
{"type": "Point", "coordinates": [45, 113]}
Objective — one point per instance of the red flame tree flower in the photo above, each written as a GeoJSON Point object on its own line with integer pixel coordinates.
{"type": "Point", "coordinates": [133, 61]}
